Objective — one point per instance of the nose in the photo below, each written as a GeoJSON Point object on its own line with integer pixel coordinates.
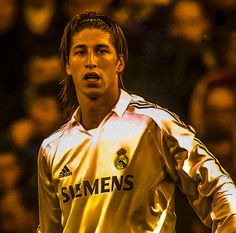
{"type": "Point", "coordinates": [91, 61]}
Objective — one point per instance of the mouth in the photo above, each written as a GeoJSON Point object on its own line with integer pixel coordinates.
{"type": "Point", "coordinates": [91, 77]}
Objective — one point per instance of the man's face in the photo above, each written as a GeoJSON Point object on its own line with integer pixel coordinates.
{"type": "Point", "coordinates": [94, 65]}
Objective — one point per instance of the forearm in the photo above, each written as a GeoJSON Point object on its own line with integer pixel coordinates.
{"type": "Point", "coordinates": [224, 209]}
{"type": "Point", "coordinates": [227, 226]}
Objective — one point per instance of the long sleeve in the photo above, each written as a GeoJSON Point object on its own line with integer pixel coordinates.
{"type": "Point", "coordinates": [49, 209]}
{"type": "Point", "coordinates": [208, 187]}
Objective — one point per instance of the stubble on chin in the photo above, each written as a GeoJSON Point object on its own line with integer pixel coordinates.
{"type": "Point", "coordinates": [93, 95]}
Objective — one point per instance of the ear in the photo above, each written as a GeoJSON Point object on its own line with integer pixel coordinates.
{"type": "Point", "coordinates": [120, 64]}
{"type": "Point", "coordinates": [68, 69]}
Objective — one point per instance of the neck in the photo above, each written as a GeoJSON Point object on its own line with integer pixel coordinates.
{"type": "Point", "coordinates": [94, 111]}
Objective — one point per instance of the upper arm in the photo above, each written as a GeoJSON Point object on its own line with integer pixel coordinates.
{"type": "Point", "coordinates": [49, 208]}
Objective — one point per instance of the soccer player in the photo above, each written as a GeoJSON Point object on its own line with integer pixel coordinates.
{"type": "Point", "coordinates": [114, 166]}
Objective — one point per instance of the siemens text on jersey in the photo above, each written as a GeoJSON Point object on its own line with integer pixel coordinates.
{"type": "Point", "coordinates": [100, 185]}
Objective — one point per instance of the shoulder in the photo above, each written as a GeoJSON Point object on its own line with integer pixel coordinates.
{"type": "Point", "coordinates": [55, 136]}
{"type": "Point", "coordinates": [168, 121]}
{"type": "Point", "coordinates": [49, 147]}
{"type": "Point", "coordinates": [152, 110]}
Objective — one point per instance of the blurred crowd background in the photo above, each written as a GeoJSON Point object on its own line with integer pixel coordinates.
{"type": "Point", "coordinates": [182, 55]}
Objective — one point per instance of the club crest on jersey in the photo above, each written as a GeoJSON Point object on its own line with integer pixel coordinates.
{"type": "Point", "coordinates": [121, 161]}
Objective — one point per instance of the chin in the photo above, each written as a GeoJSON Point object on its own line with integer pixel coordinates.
{"type": "Point", "coordinates": [93, 95]}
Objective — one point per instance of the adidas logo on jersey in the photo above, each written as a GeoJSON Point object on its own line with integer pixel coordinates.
{"type": "Point", "coordinates": [65, 172]}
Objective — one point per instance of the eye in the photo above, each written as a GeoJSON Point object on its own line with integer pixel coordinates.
{"type": "Point", "coordinates": [80, 52]}
{"type": "Point", "coordinates": [102, 51]}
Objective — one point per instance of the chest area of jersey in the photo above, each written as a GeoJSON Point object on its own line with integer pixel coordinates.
{"type": "Point", "coordinates": [112, 159]}
{"type": "Point", "coordinates": [107, 151]}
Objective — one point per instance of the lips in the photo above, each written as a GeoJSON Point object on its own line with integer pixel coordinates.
{"type": "Point", "coordinates": [91, 77]}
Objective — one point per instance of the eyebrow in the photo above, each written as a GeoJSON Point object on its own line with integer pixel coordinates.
{"type": "Point", "coordinates": [102, 46]}
{"type": "Point", "coordinates": [82, 46]}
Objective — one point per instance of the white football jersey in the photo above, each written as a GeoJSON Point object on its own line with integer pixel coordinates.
{"type": "Point", "coordinates": [121, 176]}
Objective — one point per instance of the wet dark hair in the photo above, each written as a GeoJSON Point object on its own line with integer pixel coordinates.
{"type": "Point", "coordinates": [77, 24]}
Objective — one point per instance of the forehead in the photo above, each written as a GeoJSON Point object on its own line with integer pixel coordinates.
{"type": "Point", "coordinates": [91, 36]}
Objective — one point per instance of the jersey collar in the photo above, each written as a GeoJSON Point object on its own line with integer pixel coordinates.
{"type": "Point", "coordinates": [122, 103]}
{"type": "Point", "coordinates": [119, 108]}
